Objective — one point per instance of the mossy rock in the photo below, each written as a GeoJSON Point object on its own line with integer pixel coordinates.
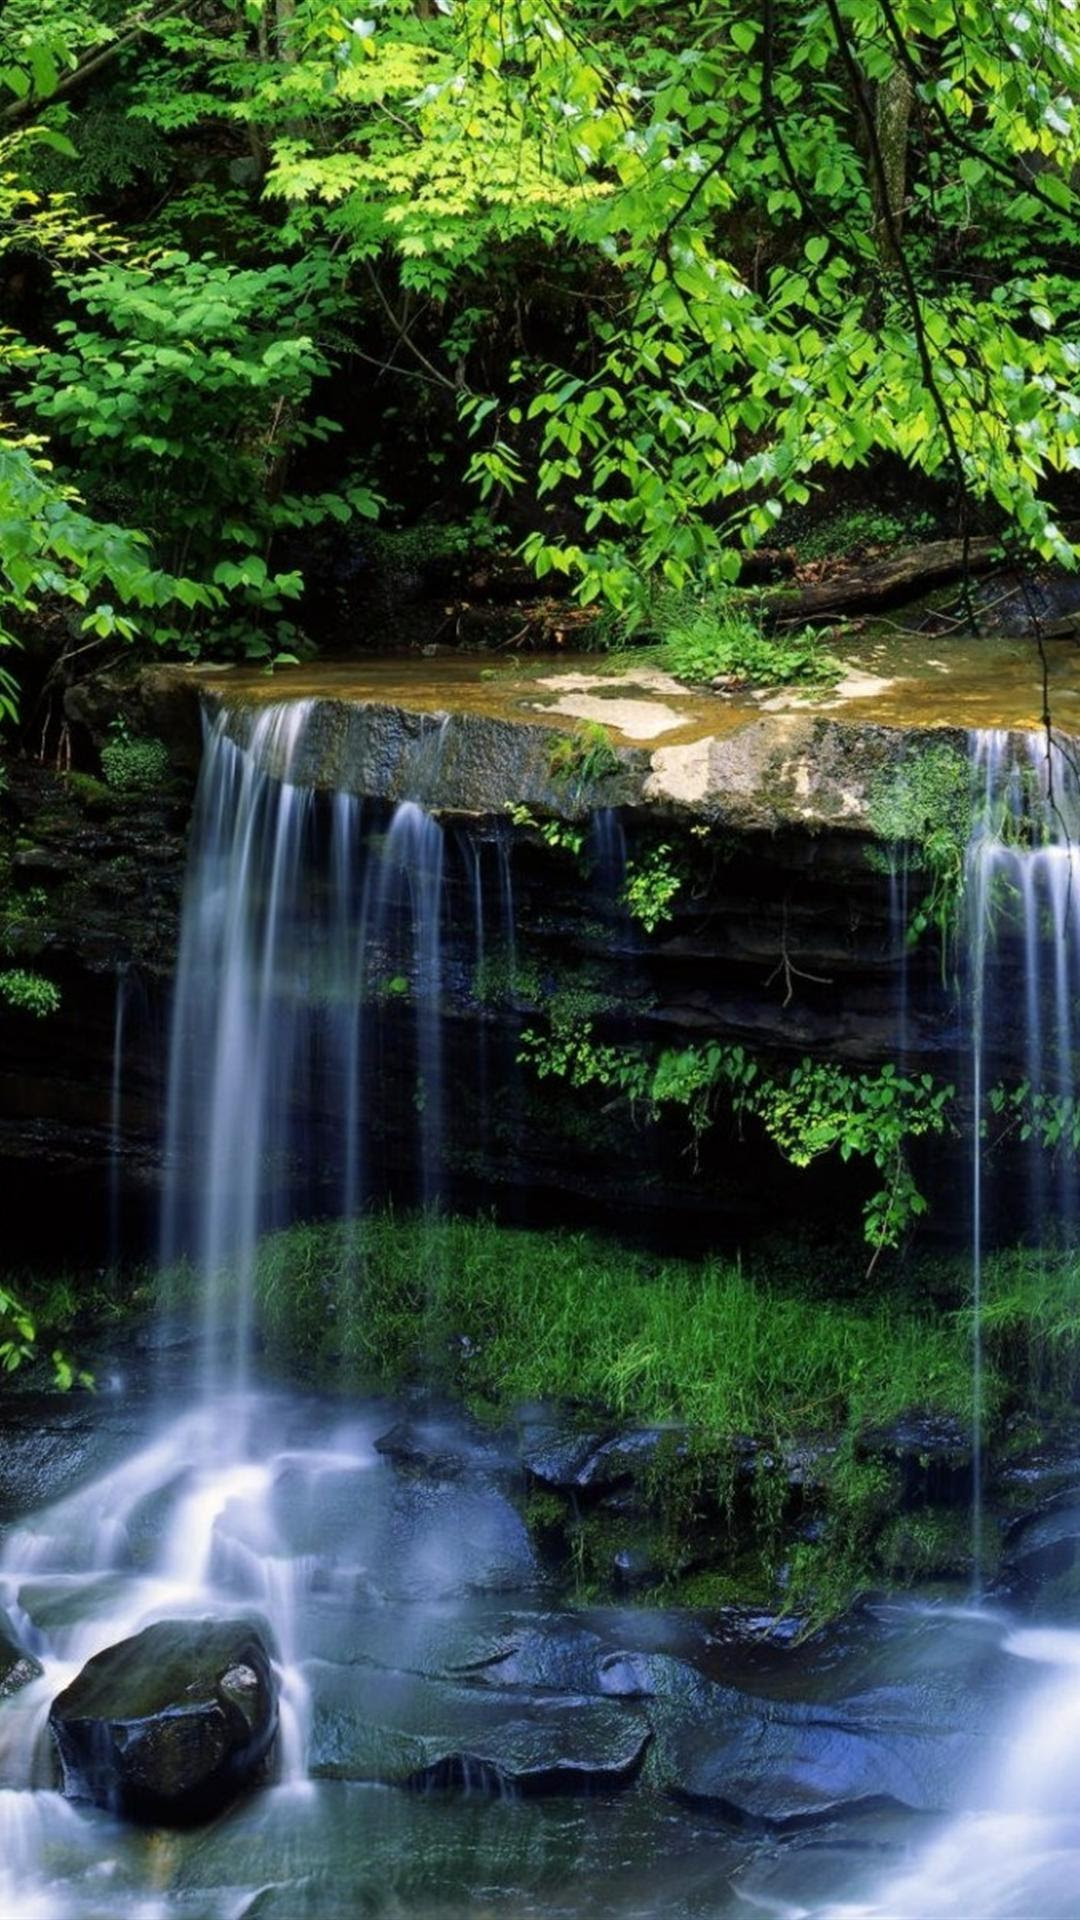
{"type": "Point", "coordinates": [169, 1725]}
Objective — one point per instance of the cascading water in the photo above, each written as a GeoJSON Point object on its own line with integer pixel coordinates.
{"type": "Point", "coordinates": [322, 936]}
{"type": "Point", "coordinates": [298, 931]}
{"type": "Point", "coordinates": [304, 921]}
{"type": "Point", "coordinates": [1023, 970]}
{"type": "Point", "coordinates": [116, 1096]}
{"type": "Point", "coordinates": [1018, 1856]}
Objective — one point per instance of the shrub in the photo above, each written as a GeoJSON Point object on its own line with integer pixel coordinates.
{"type": "Point", "coordinates": [132, 764]}
{"type": "Point", "coordinates": [29, 992]}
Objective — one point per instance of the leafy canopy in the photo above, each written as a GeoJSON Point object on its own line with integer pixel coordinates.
{"type": "Point", "coordinates": [652, 272]}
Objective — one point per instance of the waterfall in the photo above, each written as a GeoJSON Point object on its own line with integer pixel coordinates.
{"type": "Point", "coordinates": [607, 853]}
{"type": "Point", "coordinates": [1016, 1859]}
{"type": "Point", "coordinates": [304, 921]}
{"type": "Point", "coordinates": [239, 1006]}
{"type": "Point", "coordinates": [1022, 940]}
{"type": "Point", "coordinates": [410, 895]}
{"type": "Point", "coordinates": [311, 951]}
{"type": "Point", "coordinates": [116, 1113]}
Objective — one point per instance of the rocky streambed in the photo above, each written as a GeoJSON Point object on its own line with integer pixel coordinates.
{"type": "Point", "coordinates": [331, 1627]}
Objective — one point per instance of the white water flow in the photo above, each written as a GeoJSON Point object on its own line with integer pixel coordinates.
{"type": "Point", "coordinates": [1023, 973]}
{"type": "Point", "coordinates": [307, 1057]}
{"type": "Point", "coordinates": [306, 927]}
{"type": "Point", "coordinates": [1016, 1855]}
{"type": "Point", "coordinates": [116, 1111]}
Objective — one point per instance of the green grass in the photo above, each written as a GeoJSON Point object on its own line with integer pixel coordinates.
{"type": "Point", "coordinates": [1031, 1319]}
{"type": "Point", "coordinates": [504, 1315]}
{"type": "Point", "coordinates": [719, 636]}
{"type": "Point", "coordinates": [500, 1317]}
{"type": "Point", "coordinates": [794, 1347]}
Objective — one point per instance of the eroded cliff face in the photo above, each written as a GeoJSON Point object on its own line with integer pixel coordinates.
{"type": "Point", "coordinates": [785, 936]}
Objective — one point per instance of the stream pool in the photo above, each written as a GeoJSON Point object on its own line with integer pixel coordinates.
{"type": "Point", "coordinates": [455, 1740]}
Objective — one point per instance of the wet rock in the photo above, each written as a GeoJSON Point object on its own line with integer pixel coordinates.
{"type": "Point", "coordinates": [395, 1728]}
{"type": "Point", "coordinates": [345, 1852]}
{"type": "Point", "coordinates": [552, 1652]}
{"type": "Point", "coordinates": [932, 1452]}
{"type": "Point", "coordinates": [786, 1763]}
{"type": "Point", "coordinates": [445, 1448]}
{"type": "Point", "coordinates": [634, 1456]}
{"type": "Point", "coordinates": [1041, 1557]}
{"type": "Point", "coordinates": [853, 1868]}
{"type": "Point", "coordinates": [557, 1454]}
{"type": "Point", "coordinates": [171, 1724]}
{"type": "Point", "coordinates": [623, 1469]}
{"type": "Point", "coordinates": [17, 1667]}
{"type": "Point", "coordinates": [392, 1536]}
{"type": "Point", "coordinates": [51, 1443]}
{"type": "Point", "coordinates": [575, 1461]}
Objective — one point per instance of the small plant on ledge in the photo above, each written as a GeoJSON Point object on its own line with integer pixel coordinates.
{"type": "Point", "coordinates": [584, 756]}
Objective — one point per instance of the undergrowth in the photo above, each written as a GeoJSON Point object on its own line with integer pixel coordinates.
{"type": "Point", "coordinates": [505, 1315]}
{"type": "Point", "coordinates": [719, 637]}
{"type": "Point", "coordinates": [745, 1370]}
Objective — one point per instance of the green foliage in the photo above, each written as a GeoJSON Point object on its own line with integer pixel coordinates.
{"type": "Point", "coordinates": [926, 807]}
{"type": "Point", "coordinates": [822, 1108]}
{"type": "Point", "coordinates": [28, 992]}
{"type": "Point", "coordinates": [18, 1333]}
{"type": "Point", "coordinates": [509, 1316]}
{"type": "Point", "coordinates": [860, 531]}
{"type": "Point", "coordinates": [133, 765]}
{"type": "Point", "coordinates": [927, 793]}
{"type": "Point", "coordinates": [182, 389]}
{"type": "Point", "coordinates": [560, 835]}
{"type": "Point", "coordinates": [430, 546]}
{"type": "Point", "coordinates": [504, 979]}
{"type": "Point", "coordinates": [584, 756]}
{"type": "Point", "coordinates": [50, 547]}
{"type": "Point", "coordinates": [1029, 1321]}
{"type": "Point", "coordinates": [636, 271]}
{"type": "Point", "coordinates": [716, 636]}
{"type": "Point", "coordinates": [1033, 1113]}
{"type": "Point", "coordinates": [652, 883]}
{"type": "Point", "coordinates": [816, 1108]}
{"type": "Point", "coordinates": [19, 1344]}
{"type": "Point", "coordinates": [926, 1545]}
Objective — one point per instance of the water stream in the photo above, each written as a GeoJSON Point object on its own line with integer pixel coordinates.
{"type": "Point", "coordinates": [317, 934]}
{"type": "Point", "coordinates": [1018, 1858]}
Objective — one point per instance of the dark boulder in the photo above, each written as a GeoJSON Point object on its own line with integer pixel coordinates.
{"type": "Point", "coordinates": [169, 1725]}
{"type": "Point", "coordinates": [557, 1454]}
{"type": "Point", "coordinates": [784, 1763]}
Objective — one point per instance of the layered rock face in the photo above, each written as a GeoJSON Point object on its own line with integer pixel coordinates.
{"type": "Point", "coordinates": [785, 936]}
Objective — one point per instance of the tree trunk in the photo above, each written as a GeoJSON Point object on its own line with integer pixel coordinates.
{"type": "Point", "coordinates": [892, 119]}
{"type": "Point", "coordinates": [285, 11]}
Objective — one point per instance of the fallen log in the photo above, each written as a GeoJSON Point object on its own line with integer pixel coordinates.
{"type": "Point", "coordinates": [874, 583]}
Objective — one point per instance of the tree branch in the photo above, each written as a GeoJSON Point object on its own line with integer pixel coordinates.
{"type": "Point", "coordinates": [20, 110]}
